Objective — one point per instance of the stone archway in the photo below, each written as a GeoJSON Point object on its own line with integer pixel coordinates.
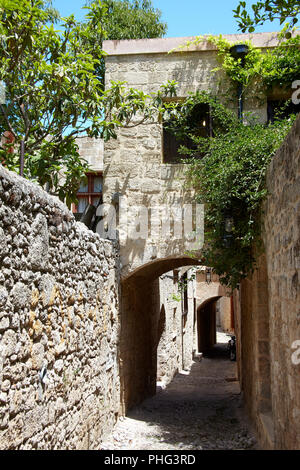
{"type": "Point", "coordinates": [207, 295]}
{"type": "Point", "coordinates": [141, 328]}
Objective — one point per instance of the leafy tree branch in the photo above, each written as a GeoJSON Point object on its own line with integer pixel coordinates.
{"type": "Point", "coordinates": [268, 10]}
{"type": "Point", "coordinates": [54, 92]}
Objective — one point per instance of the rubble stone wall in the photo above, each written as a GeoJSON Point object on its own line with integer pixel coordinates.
{"type": "Point", "coordinates": [59, 324]}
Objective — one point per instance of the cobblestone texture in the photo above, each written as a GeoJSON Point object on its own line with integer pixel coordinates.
{"type": "Point", "coordinates": [200, 410]}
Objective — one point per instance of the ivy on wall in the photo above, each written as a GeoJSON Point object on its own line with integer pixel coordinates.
{"type": "Point", "coordinates": [228, 168]}
{"type": "Point", "coordinates": [229, 179]}
{"type": "Point", "coordinates": [263, 69]}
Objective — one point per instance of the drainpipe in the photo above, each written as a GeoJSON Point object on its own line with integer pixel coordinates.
{"type": "Point", "coordinates": [239, 51]}
{"type": "Point", "coordinates": [240, 101]}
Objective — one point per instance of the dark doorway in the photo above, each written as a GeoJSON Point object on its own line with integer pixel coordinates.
{"type": "Point", "coordinates": [207, 336]}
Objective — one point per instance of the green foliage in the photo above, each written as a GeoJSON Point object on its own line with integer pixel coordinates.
{"type": "Point", "coordinates": [269, 10]}
{"type": "Point", "coordinates": [54, 92]}
{"type": "Point", "coordinates": [127, 19]}
{"type": "Point", "coordinates": [230, 179]}
{"type": "Point", "coordinates": [281, 66]}
{"type": "Point", "coordinates": [261, 70]}
{"type": "Point", "coordinates": [133, 19]}
{"type": "Point", "coordinates": [176, 297]}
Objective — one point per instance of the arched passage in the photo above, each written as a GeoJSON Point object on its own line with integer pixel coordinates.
{"type": "Point", "coordinates": [152, 270]}
{"type": "Point", "coordinates": [206, 322]}
{"type": "Point", "coordinates": [141, 323]}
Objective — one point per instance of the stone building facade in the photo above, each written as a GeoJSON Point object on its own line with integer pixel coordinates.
{"type": "Point", "coordinates": [135, 170]}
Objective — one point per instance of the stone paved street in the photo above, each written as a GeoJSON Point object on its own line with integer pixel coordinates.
{"type": "Point", "coordinates": [199, 410]}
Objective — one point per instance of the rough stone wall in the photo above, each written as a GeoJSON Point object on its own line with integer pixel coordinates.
{"type": "Point", "coordinates": [58, 311]}
{"type": "Point", "coordinates": [282, 241]}
{"type": "Point", "coordinates": [270, 315]}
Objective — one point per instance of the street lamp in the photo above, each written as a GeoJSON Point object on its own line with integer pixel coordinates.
{"type": "Point", "coordinates": [239, 51]}
{"type": "Point", "coordinates": [228, 228]}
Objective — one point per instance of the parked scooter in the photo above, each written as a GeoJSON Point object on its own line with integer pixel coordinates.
{"type": "Point", "coordinates": [232, 348]}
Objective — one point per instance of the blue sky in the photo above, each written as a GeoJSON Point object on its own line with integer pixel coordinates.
{"type": "Point", "coordinates": [184, 17]}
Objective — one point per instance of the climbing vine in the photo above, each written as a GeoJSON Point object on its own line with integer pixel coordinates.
{"type": "Point", "coordinates": [229, 178]}
{"type": "Point", "coordinates": [182, 286]}
{"type": "Point", "coordinates": [227, 168]}
{"type": "Point", "coordinates": [276, 66]}
{"type": "Point", "coordinates": [262, 70]}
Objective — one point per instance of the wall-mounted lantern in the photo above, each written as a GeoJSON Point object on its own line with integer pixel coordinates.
{"type": "Point", "coordinates": [208, 275]}
{"type": "Point", "coordinates": [239, 51]}
{"type": "Point", "coordinates": [228, 228]}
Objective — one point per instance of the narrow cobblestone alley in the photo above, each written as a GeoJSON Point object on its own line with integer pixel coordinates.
{"type": "Point", "coordinates": [200, 410]}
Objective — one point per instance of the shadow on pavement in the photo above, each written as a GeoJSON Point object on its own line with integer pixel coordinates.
{"type": "Point", "coordinates": [200, 409]}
